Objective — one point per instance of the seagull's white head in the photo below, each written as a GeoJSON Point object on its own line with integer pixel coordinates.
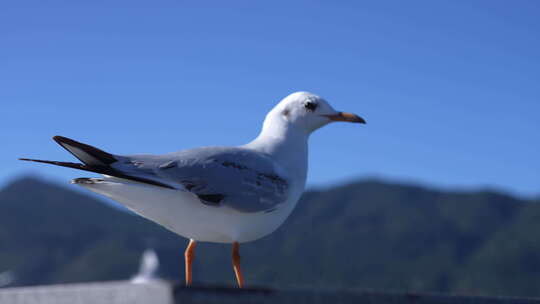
{"type": "Point", "coordinates": [307, 112]}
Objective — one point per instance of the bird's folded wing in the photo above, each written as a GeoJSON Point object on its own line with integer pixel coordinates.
{"type": "Point", "coordinates": [235, 177]}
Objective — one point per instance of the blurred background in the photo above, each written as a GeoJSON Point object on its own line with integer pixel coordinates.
{"type": "Point", "coordinates": [438, 192]}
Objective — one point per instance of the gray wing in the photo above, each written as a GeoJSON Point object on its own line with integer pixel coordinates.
{"type": "Point", "coordinates": [242, 179]}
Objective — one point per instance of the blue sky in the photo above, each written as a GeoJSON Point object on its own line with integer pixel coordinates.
{"type": "Point", "coordinates": [450, 89]}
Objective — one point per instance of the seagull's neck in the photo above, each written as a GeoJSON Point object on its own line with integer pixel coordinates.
{"type": "Point", "coordinates": [286, 144]}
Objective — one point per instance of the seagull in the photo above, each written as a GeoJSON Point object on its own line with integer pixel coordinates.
{"type": "Point", "coordinates": [7, 278]}
{"type": "Point", "coordinates": [148, 267]}
{"type": "Point", "coordinates": [215, 194]}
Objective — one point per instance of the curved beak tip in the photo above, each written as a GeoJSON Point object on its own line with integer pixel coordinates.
{"type": "Point", "coordinates": [360, 120]}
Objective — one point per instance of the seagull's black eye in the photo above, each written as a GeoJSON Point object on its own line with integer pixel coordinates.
{"type": "Point", "coordinates": [311, 106]}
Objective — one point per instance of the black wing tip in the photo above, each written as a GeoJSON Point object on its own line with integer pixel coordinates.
{"type": "Point", "coordinates": [31, 159]}
{"type": "Point", "coordinates": [100, 170]}
{"type": "Point", "coordinates": [62, 139]}
{"type": "Point", "coordinates": [104, 157]}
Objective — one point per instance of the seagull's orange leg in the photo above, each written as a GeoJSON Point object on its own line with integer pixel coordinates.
{"type": "Point", "coordinates": [189, 255]}
{"type": "Point", "coordinates": [236, 264]}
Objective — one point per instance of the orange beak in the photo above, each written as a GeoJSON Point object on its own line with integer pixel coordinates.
{"type": "Point", "coordinates": [348, 117]}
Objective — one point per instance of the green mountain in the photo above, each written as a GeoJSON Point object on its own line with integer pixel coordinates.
{"type": "Point", "coordinates": [367, 235]}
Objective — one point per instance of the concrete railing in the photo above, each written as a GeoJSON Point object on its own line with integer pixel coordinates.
{"type": "Point", "coordinates": [162, 292]}
{"type": "Point", "coordinates": [158, 292]}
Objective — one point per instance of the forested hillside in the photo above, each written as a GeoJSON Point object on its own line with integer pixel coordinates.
{"type": "Point", "coordinates": [367, 235]}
